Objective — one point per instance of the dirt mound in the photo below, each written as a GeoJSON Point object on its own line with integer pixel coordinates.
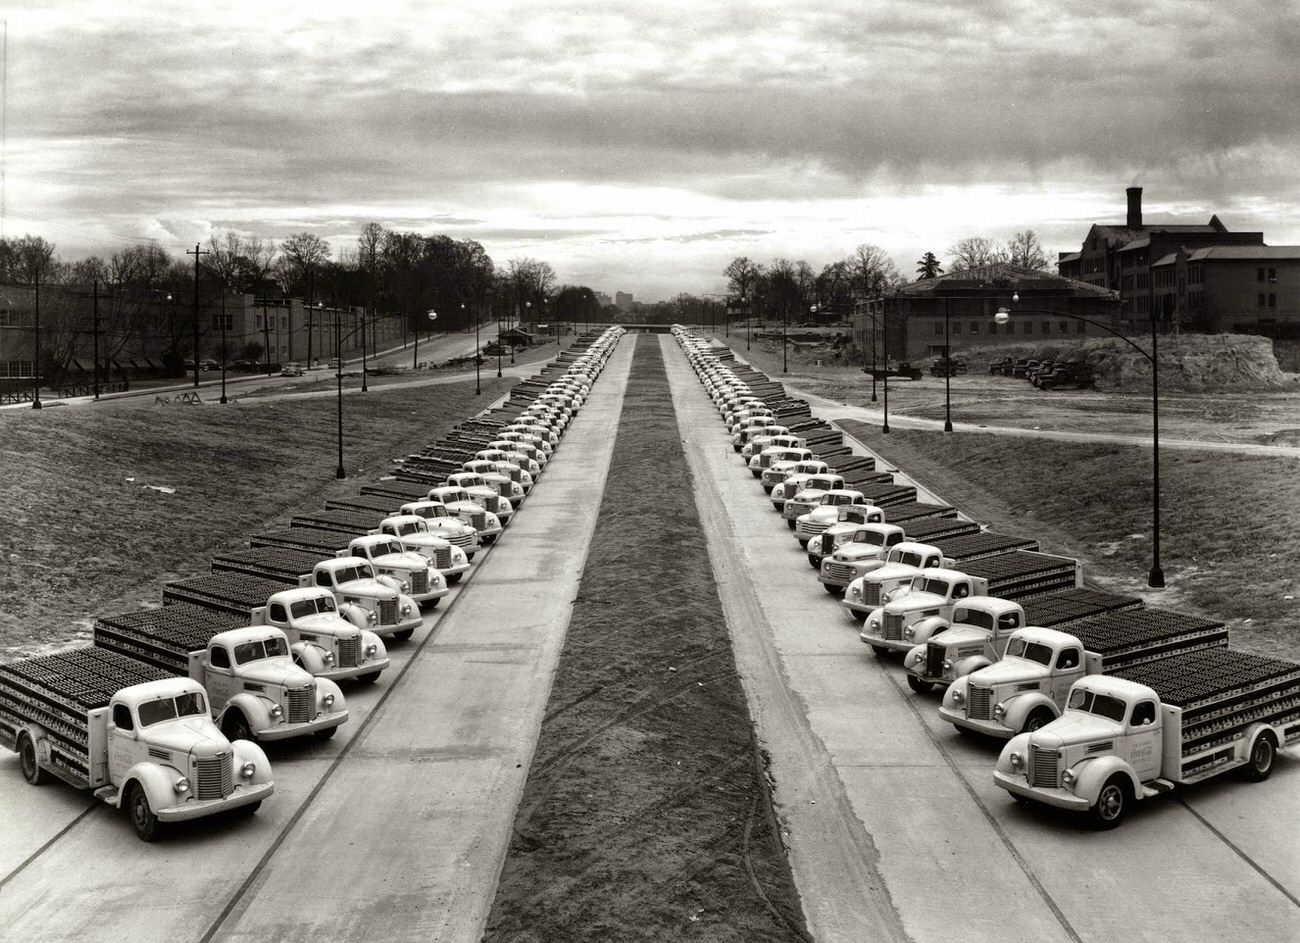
{"type": "Point", "coordinates": [1191, 362]}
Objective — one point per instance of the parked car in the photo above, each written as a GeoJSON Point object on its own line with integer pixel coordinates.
{"type": "Point", "coordinates": [1022, 367]}
{"type": "Point", "coordinates": [1001, 367]}
{"type": "Point", "coordinates": [292, 369]}
{"type": "Point", "coordinates": [944, 366]}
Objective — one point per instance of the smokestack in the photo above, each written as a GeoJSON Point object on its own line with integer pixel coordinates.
{"type": "Point", "coordinates": [1134, 207]}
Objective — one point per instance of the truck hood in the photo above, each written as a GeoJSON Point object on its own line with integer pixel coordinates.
{"type": "Point", "coordinates": [1010, 671]}
{"type": "Point", "coordinates": [328, 623]}
{"type": "Point", "coordinates": [371, 588]}
{"type": "Point", "coordinates": [195, 734]}
{"type": "Point", "coordinates": [855, 553]}
{"type": "Point", "coordinates": [960, 635]}
{"type": "Point", "coordinates": [1075, 727]}
{"type": "Point", "coordinates": [279, 670]}
{"type": "Point", "coordinates": [404, 561]}
{"type": "Point", "coordinates": [415, 540]}
{"type": "Point", "coordinates": [894, 571]}
{"type": "Point", "coordinates": [823, 513]}
{"type": "Point", "coordinates": [913, 601]}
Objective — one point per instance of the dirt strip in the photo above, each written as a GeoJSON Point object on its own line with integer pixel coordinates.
{"type": "Point", "coordinates": [647, 813]}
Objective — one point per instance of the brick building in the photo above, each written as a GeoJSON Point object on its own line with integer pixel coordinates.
{"type": "Point", "coordinates": [1120, 257]}
{"type": "Point", "coordinates": [969, 299]}
{"type": "Point", "coordinates": [1244, 289]}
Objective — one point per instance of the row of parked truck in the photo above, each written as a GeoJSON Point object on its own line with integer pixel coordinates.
{"type": "Point", "coordinates": [163, 716]}
{"type": "Point", "coordinates": [1100, 699]}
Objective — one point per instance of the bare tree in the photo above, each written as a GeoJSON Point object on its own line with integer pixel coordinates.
{"type": "Point", "coordinates": [974, 251]}
{"type": "Point", "coordinates": [1026, 250]}
{"type": "Point", "coordinates": [742, 276]}
{"type": "Point", "coordinates": [871, 270]}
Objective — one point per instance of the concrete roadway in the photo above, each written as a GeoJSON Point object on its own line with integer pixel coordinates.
{"type": "Point", "coordinates": [394, 830]}
{"type": "Point", "coordinates": [895, 828]}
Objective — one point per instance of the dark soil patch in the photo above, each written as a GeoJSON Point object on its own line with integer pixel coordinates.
{"type": "Point", "coordinates": [646, 814]}
{"type": "Point", "coordinates": [1228, 523]}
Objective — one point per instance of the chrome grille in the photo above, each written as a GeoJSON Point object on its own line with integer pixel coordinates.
{"type": "Point", "coordinates": [828, 543]}
{"type": "Point", "coordinates": [764, 461]}
{"type": "Point", "coordinates": [794, 509]}
{"type": "Point", "coordinates": [387, 611]}
{"type": "Point", "coordinates": [977, 702]}
{"type": "Point", "coordinates": [442, 558]}
{"type": "Point", "coordinates": [349, 654]}
{"type": "Point", "coordinates": [478, 520]}
{"type": "Point", "coordinates": [839, 571]}
{"type": "Point", "coordinates": [460, 540]}
{"type": "Point", "coordinates": [517, 475]}
{"type": "Point", "coordinates": [893, 627]}
{"type": "Point", "coordinates": [302, 705]}
{"type": "Point", "coordinates": [504, 488]}
{"type": "Point", "coordinates": [813, 527]}
{"type": "Point", "coordinates": [1042, 768]}
{"type": "Point", "coordinates": [491, 504]}
{"type": "Point", "coordinates": [870, 594]}
{"type": "Point", "coordinates": [934, 653]}
{"type": "Point", "coordinates": [420, 581]}
{"type": "Point", "coordinates": [214, 776]}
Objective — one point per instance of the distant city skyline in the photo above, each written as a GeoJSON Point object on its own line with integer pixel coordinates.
{"type": "Point", "coordinates": [642, 148]}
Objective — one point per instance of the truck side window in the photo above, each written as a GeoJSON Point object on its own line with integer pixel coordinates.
{"type": "Point", "coordinates": [122, 717]}
{"type": "Point", "coordinates": [323, 578]}
{"type": "Point", "coordinates": [277, 612]}
{"type": "Point", "coordinates": [960, 591]}
{"type": "Point", "coordinates": [893, 539]}
{"type": "Point", "coordinates": [220, 657]}
{"type": "Point", "coordinates": [1009, 620]}
{"type": "Point", "coordinates": [1069, 658]}
{"type": "Point", "coordinates": [1144, 714]}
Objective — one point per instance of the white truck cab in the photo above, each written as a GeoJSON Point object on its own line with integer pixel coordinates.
{"type": "Point", "coordinates": [807, 497]}
{"type": "Point", "coordinates": [442, 523]}
{"type": "Point", "coordinates": [509, 480]}
{"type": "Point", "coordinates": [390, 557]}
{"type": "Point", "coordinates": [910, 616]}
{"type": "Point", "coordinates": [829, 510]}
{"type": "Point", "coordinates": [414, 533]}
{"type": "Point", "coordinates": [903, 561]}
{"type": "Point", "coordinates": [792, 481]}
{"type": "Point", "coordinates": [378, 599]}
{"type": "Point", "coordinates": [458, 502]}
{"type": "Point", "coordinates": [482, 494]}
{"type": "Point", "coordinates": [864, 550]}
{"type": "Point", "coordinates": [977, 636]}
{"type": "Point", "coordinates": [320, 639]}
{"type": "Point", "coordinates": [769, 436]}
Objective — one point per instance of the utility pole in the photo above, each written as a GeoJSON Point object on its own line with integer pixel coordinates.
{"type": "Point", "coordinates": [198, 251]}
{"type": "Point", "coordinates": [95, 309]}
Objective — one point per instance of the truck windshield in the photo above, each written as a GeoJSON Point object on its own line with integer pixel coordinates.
{"type": "Point", "coordinates": [1033, 651]}
{"type": "Point", "coordinates": [975, 617]}
{"type": "Point", "coordinates": [870, 537]}
{"type": "Point", "coordinates": [309, 607]}
{"type": "Point", "coordinates": [347, 574]}
{"type": "Point", "coordinates": [262, 648]}
{"type": "Point", "coordinates": [167, 708]}
{"type": "Point", "coordinates": [1103, 705]}
{"type": "Point", "coordinates": [908, 558]}
{"type": "Point", "coordinates": [410, 527]}
{"type": "Point", "coordinates": [388, 548]}
{"type": "Point", "coordinates": [930, 585]}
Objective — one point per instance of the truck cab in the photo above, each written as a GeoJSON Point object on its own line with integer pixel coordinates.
{"type": "Point", "coordinates": [770, 436]}
{"type": "Point", "coordinates": [482, 494]}
{"type": "Point", "coordinates": [548, 435]}
{"type": "Point", "coordinates": [783, 465]}
{"type": "Point", "coordinates": [828, 510]}
{"type": "Point", "coordinates": [320, 639]}
{"type": "Point", "coordinates": [847, 521]}
{"type": "Point", "coordinates": [764, 457]}
{"type": "Point", "coordinates": [979, 632]}
{"type": "Point", "coordinates": [512, 434]}
{"type": "Point", "coordinates": [416, 535]}
{"type": "Point", "coordinates": [864, 551]}
{"type": "Point", "coordinates": [903, 561]}
{"type": "Point", "coordinates": [808, 496]}
{"type": "Point", "coordinates": [458, 502]}
{"type": "Point", "coordinates": [389, 556]}
{"type": "Point", "coordinates": [377, 599]}
{"type": "Point", "coordinates": [442, 523]}
{"type": "Point", "coordinates": [793, 480]}
{"type": "Point", "coordinates": [256, 692]}
{"type": "Point", "coordinates": [909, 617]}
{"type": "Point", "coordinates": [1025, 690]}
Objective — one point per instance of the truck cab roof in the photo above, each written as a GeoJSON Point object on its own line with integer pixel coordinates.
{"type": "Point", "coordinates": [345, 563]}
{"type": "Point", "coordinates": [989, 604]}
{"type": "Point", "coordinates": [1052, 638]}
{"type": "Point", "coordinates": [399, 525]}
{"type": "Point", "coordinates": [447, 494]}
{"type": "Point", "coordinates": [137, 694]}
{"type": "Point", "coordinates": [1127, 691]}
{"type": "Point", "coordinates": [417, 509]}
{"type": "Point", "coordinates": [300, 593]}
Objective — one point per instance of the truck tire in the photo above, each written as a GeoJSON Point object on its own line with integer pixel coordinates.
{"type": "Point", "coordinates": [325, 734]}
{"type": "Point", "coordinates": [248, 811]}
{"type": "Point", "coordinates": [833, 589]}
{"type": "Point", "coordinates": [370, 678]}
{"type": "Point", "coordinates": [32, 771]}
{"type": "Point", "coordinates": [236, 727]}
{"type": "Point", "coordinates": [790, 523]}
{"type": "Point", "coordinates": [1111, 805]}
{"type": "Point", "coordinates": [143, 819]}
{"type": "Point", "coordinates": [1037, 718]}
{"type": "Point", "coordinates": [919, 686]}
{"type": "Point", "coordinates": [452, 579]}
{"type": "Point", "coordinates": [803, 542]}
{"type": "Point", "coordinates": [880, 650]}
{"type": "Point", "coordinates": [1259, 765]}
{"type": "Point", "coordinates": [402, 636]}
{"type": "Point", "coordinates": [814, 561]}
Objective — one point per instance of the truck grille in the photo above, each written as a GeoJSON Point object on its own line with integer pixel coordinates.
{"type": "Point", "coordinates": [214, 776]}
{"type": "Point", "coordinates": [934, 653]}
{"type": "Point", "coordinates": [812, 528]}
{"type": "Point", "coordinates": [460, 540]}
{"type": "Point", "coordinates": [794, 509]}
{"type": "Point", "coordinates": [870, 594]}
{"type": "Point", "coordinates": [517, 475]}
{"type": "Point", "coordinates": [893, 627]}
{"type": "Point", "coordinates": [1042, 768]}
{"type": "Point", "coordinates": [828, 544]}
{"type": "Point", "coordinates": [387, 611]}
{"type": "Point", "coordinates": [349, 654]}
{"type": "Point", "coordinates": [491, 504]}
{"type": "Point", "coordinates": [977, 702]}
{"type": "Point", "coordinates": [764, 461]}
{"type": "Point", "coordinates": [442, 558]}
{"type": "Point", "coordinates": [504, 489]}
{"type": "Point", "coordinates": [302, 705]}
{"type": "Point", "coordinates": [839, 571]}
{"type": "Point", "coordinates": [478, 520]}
{"type": "Point", "coordinates": [420, 581]}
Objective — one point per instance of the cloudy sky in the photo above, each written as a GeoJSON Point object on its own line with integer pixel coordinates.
{"type": "Point", "coordinates": [641, 146]}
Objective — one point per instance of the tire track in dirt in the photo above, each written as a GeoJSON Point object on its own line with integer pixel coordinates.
{"type": "Point", "coordinates": [647, 812]}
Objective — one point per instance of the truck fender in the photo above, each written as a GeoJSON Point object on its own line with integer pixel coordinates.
{"type": "Point", "coordinates": [959, 686]}
{"type": "Point", "coordinates": [1020, 706]}
{"type": "Point", "coordinates": [1093, 773]}
{"type": "Point", "coordinates": [310, 657]}
{"type": "Point", "coordinates": [370, 638]}
{"type": "Point", "coordinates": [246, 751]}
{"type": "Point", "coordinates": [972, 664]}
{"type": "Point", "coordinates": [357, 615]}
{"type": "Point", "coordinates": [158, 783]}
{"type": "Point", "coordinates": [256, 710]}
{"type": "Point", "coordinates": [927, 628]}
{"type": "Point", "coordinates": [910, 662]}
{"type": "Point", "coordinates": [1017, 744]}
{"type": "Point", "coordinates": [325, 686]}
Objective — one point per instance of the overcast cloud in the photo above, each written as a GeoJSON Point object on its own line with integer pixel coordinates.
{"type": "Point", "coordinates": [641, 149]}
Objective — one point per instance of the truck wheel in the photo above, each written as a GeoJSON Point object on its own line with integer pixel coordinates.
{"type": "Point", "coordinates": [324, 734]}
{"type": "Point", "coordinates": [790, 523]}
{"type": "Point", "coordinates": [814, 562]}
{"type": "Point", "coordinates": [1039, 718]}
{"type": "Point", "coordinates": [367, 679]}
{"type": "Point", "coordinates": [919, 686]}
{"type": "Point", "coordinates": [248, 811]}
{"type": "Point", "coordinates": [880, 650]}
{"type": "Point", "coordinates": [833, 589]}
{"type": "Point", "coordinates": [402, 636]}
{"type": "Point", "coordinates": [1262, 754]}
{"type": "Point", "coordinates": [236, 728]}
{"type": "Point", "coordinates": [143, 819]}
{"type": "Point", "coordinates": [452, 579]}
{"type": "Point", "coordinates": [803, 542]}
{"type": "Point", "coordinates": [1111, 805]}
{"type": "Point", "coordinates": [32, 771]}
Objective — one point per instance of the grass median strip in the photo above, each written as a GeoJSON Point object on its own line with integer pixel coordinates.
{"type": "Point", "coordinates": [646, 814]}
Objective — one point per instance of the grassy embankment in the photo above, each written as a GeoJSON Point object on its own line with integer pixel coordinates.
{"type": "Point", "coordinates": [1230, 524]}
{"type": "Point", "coordinates": [82, 534]}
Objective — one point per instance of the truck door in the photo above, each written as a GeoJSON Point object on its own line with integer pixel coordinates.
{"type": "Point", "coordinates": [1141, 740]}
{"type": "Point", "coordinates": [122, 743]}
{"type": "Point", "coordinates": [220, 678]}
{"type": "Point", "coordinates": [1006, 623]}
{"type": "Point", "coordinates": [1067, 670]}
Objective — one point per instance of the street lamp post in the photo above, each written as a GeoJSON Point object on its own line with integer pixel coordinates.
{"type": "Point", "coordinates": [224, 351]}
{"type": "Point", "coordinates": [785, 346]}
{"type": "Point", "coordinates": [95, 309]}
{"type": "Point", "coordinates": [1156, 575]}
{"type": "Point", "coordinates": [338, 374]}
{"type": "Point", "coordinates": [884, 337]}
{"type": "Point", "coordinates": [36, 364]}
{"type": "Point", "coordinates": [499, 341]}
{"type": "Point", "coordinates": [749, 322]}
{"type": "Point", "coordinates": [365, 315]}
{"type": "Point", "coordinates": [947, 370]}
{"type": "Point", "coordinates": [478, 357]}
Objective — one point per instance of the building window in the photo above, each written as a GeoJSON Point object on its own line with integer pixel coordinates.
{"type": "Point", "coordinates": [1272, 301]}
{"type": "Point", "coordinates": [1259, 300]}
{"type": "Point", "coordinates": [974, 327]}
{"type": "Point", "coordinates": [1029, 327]}
{"type": "Point", "coordinates": [1272, 275]}
{"type": "Point", "coordinates": [956, 327]}
{"type": "Point", "coordinates": [938, 329]}
{"type": "Point", "coordinates": [1064, 327]}
{"type": "Point", "coordinates": [1047, 327]}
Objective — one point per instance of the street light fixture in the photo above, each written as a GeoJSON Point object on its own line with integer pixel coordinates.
{"type": "Point", "coordinates": [947, 369]}
{"type": "Point", "coordinates": [1156, 575]}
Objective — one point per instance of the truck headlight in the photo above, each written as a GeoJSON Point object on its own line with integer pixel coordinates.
{"type": "Point", "coordinates": [947, 665]}
{"type": "Point", "coordinates": [856, 592]}
{"type": "Point", "coordinates": [1016, 759]}
{"type": "Point", "coordinates": [371, 618]}
{"type": "Point", "coordinates": [918, 657]}
{"type": "Point", "coordinates": [406, 586]}
{"type": "Point", "coordinates": [277, 711]}
{"type": "Point", "coordinates": [329, 658]}
{"type": "Point", "coordinates": [908, 633]}
{"type": "Point", "coordinates": [999, 710]}
{"type": "Point", "coordinates": [248, 770]}
{"type": "Point", "coordinates": [957, 697]}
{"type": "Point", "coordinates": [1068, 777]}
{"type": "Point", "coordinates": [406, 608]}
{"type": "Point", "coordinates": [887, 597]}
{"type": "Point", "coordinates": [181, 785]}
{"type": "Point", "coordinates": [328, 700]}
{"type": "Point", "coordinates": [371, 649]}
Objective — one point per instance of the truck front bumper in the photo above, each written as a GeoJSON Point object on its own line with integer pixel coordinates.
{"type": "Point", "coordinates": [876, 641]}
{"type": "Point", "coordinates": [990, 728]}
{"type": "Point", "coordinates": [414, 622]}
{"type": "Point", "coordinates": [288, 731]}
{"type": "Point", "coordinates": [345, 674]}
{"type": "Point", "coordinates": [198, 808]}
{"type": "Point", "coordinates": [1058, 797]}
{"type": "Point", "coordinates": [440, 591]}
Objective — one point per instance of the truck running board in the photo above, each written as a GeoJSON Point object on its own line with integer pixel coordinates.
{"type": "Point", "coordinates": [1156, 787]}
